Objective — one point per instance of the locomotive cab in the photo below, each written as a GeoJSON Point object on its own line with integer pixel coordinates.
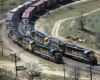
{"type": "Point", "coordinates": [9, 26]}
{"type": "Point", "coordinates": [91, 57]}
{"type": "Point", "coordinates": [46, 41]}
{"type": "Point", "coordinates": [57, 54]}
{"type": "Point", "coordinates": [32, 46]}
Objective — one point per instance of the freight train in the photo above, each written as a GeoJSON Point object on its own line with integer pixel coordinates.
{"type": "Point", "coordinates": [35, 47]}
{"type": "Point", "coordinates": [39, 43]}
{"type": "Point", "coordinates": [67, 50]}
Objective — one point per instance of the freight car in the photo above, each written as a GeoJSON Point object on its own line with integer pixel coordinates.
{"type": "Point", "coordinates": [27, 4]}
{"type": "Point", "coordinates": [28, 13]}
{"type": "Point", "coordinates": [39, 6]}
{"type": "Point", "coordinates": [49, 3]}
{"type": "Point", "coordinates": [81, 54]}
{"type": "Point", "coordinates": [40, 49]}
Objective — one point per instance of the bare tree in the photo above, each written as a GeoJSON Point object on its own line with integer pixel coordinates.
{"type": "Point", "coordinates": [1, 5]}
{"type": "Point", "coordinates": [97, 39]}
{"type": "Point", "coordinates": [6, 75]}
{"type": "Point", "coordinates": [30, 68]}
{"type": "Point", "coordinates": [75, 72]}
{"type": "Point", "coordinates": [81, 20]}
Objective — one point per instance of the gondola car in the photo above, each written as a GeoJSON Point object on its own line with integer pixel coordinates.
{"type": "Point", "coordinates": [14, 34]}
{"type": "Point", "coordinates": [81, 54]}
{"type": "Point", "coordinates": [40, 49]}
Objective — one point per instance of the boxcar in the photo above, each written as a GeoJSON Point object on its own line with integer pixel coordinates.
{"type": "Point", "coordinates": [81, 54]}
{"type": "Point", "coordinates": [39, 6]}
{"type": "Point", "coordinates": [31, 10]}
{"type": "Point", "coordinates": [14, 34]}
{"type": "Point", "coordinates": [27, 4]}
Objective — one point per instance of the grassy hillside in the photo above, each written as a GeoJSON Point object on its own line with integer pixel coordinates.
{"type": "Point", "coordinates": [4, 57]}
{"type": "Point", "coordinates": [71, 11]}
{"type": "Point", "coordinates": [10, 4]}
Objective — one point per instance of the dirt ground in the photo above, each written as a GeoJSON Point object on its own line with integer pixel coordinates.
{"type": "Point", "coordinates": [26, 57]}
{"type": "Point", "coordinates": [11, 48]}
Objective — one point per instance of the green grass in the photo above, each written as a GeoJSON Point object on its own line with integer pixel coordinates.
{"type": "Point", "coordinates": [7, 7]}
{"type": "Point", "coordinates": [89, 31]}
{"type": "Point", "coordinates": [4, 57]}
{"type": "Point", "coordinates": [51, 66]}
{"type": "Point", "coordinates": [54, 77]}
{"type": "Point", "coordinates": [67, 12]}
